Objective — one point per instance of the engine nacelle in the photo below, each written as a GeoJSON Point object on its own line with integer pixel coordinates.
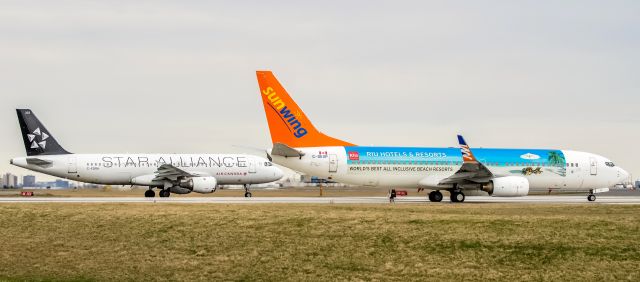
{"type": "Point", "coordinates": [179, 190]}
{"type": "Point", "coordinates": [200, 184]}
{"type": "Point", "coordinates": [508, 186]}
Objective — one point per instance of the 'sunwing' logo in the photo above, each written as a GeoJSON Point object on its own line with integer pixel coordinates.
{"type": "Point", "coordinates": [33, 138]}
{"type": "Point", "coordinates": [290, 119]}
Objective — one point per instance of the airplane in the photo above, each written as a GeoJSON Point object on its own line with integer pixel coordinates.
{"type": "Point", "coordinates": [298, 145]}
{"type": "Point", "coordinates": [171, 173]}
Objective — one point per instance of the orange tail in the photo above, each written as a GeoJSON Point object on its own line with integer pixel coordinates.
{"type": "Point", "coordinates": [287, 123]}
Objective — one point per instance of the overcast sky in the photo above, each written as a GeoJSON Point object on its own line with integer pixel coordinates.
{"type": "Point", "coordinates": [179, 76]}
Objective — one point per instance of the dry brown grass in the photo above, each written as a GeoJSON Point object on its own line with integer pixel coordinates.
{"type": "Point", "coordinates": [319, 242]}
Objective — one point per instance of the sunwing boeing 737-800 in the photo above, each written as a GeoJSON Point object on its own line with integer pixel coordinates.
{"type": "Point", "coordinates": [171, 173]}
{"type": "Point", "coordinates": [298, 145]}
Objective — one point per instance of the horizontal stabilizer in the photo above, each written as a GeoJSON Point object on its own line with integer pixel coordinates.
{"type": "Point", "coordinates": [39, 162]}
{"type": "Point", "coordinates": [280, 149]}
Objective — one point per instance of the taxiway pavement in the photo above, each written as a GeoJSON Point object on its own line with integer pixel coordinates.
{"type": "Point", "coordinates": [553, 199]}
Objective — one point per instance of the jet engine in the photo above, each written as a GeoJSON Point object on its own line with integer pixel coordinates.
{"type": "Point", "coordinates": [508, 186]}
{"type": "Point", "coordinates": [200, 184]}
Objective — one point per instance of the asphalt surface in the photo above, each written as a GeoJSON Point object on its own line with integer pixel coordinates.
{"type": "Point", "coordinates": [552, 199]}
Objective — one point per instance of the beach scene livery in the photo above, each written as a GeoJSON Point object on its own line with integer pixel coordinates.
{"type": "Point", "coordinates": [533, 161]}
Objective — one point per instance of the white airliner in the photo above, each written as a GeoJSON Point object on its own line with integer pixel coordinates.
{"type": "Point", "coordinates": [171, 173]}
{"type": "Point", "coordinates": [499, 172]}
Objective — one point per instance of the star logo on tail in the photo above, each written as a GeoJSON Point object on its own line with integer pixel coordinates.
{"type": "Point", "coordinates": [33, 139]}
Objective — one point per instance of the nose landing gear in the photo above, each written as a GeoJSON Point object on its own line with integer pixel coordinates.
{"type": "Point", "coordinates": [247, 193]}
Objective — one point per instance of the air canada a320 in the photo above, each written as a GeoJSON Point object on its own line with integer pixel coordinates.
{"type": "Point", "coordinates": [170, 173]}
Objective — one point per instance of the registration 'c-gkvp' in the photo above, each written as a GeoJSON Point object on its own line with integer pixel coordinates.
{"type": "Point", "coordinates": [171, 173]}
{"type": "Point", "coordinates": [298, 145]}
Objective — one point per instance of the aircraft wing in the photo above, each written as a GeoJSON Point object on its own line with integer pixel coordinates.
{"type": "Point", "coordinates": [171, 173]}
{"type": "Point", "coordinates": [471, 170]}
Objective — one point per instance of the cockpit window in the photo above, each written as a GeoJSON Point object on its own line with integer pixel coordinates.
{"type": "Point", "coordinates": [268, 164]}
{"type": "Point", "coordinates": [609, 164]}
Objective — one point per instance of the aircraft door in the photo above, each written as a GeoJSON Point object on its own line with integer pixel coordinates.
{"type": "Point", "coordinates": [72, 166]}
{"type": "Point", "coordinates": [593, 166]}
{"type": "Point", "coordinates": [252, 166]}
{"type": "Point", "coordinates": [333, 163]}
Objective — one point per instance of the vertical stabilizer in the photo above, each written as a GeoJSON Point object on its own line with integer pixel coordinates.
{"type": "Point", "coordinates": [37, 139]}
{"type": "Point", "coordinates": [287, 122]}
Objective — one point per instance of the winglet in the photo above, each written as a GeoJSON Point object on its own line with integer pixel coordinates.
{"type": "Point", "coordinates": [467, 155]}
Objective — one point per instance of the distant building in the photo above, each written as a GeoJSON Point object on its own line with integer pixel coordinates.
{"type": "Point", "coordinates": [61, 183]}
{"type": "Point", "coordinates": [637, 184]}
{"type": "Point", "coordinates": [29, 181]}
{"type": "Point", "coordinates": [9, 181]}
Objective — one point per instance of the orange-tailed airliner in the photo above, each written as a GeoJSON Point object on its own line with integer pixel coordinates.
{"type": "Point", "coordinates": [298, 145]}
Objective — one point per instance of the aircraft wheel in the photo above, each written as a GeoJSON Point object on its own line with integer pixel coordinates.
{"type": "Point", "coordinates": [149, 194]}
{"type": "Point", "coordinates": [457, 197]}
{"type": "Point", "coordinates": [435, 196]}
{"type": "Point", "coordinates": [164, 193]}
{"type": "Point", "coordinates": [591, 198]}
{"type": "Point", "coordinates": [247, 194]}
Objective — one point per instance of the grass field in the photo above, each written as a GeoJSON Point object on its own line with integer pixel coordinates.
{"type": "Point", "coordinates": [319, 242]}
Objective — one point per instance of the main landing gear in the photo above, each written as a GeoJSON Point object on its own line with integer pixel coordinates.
{"type": "Point", "coordinates": [435, 196]}
{"type": "Point", "coordinates": [456, 195]}
{"type": "Point", "coordinates": [247, 193]}
{"type": "Point", "coordinates": [165, 193]}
